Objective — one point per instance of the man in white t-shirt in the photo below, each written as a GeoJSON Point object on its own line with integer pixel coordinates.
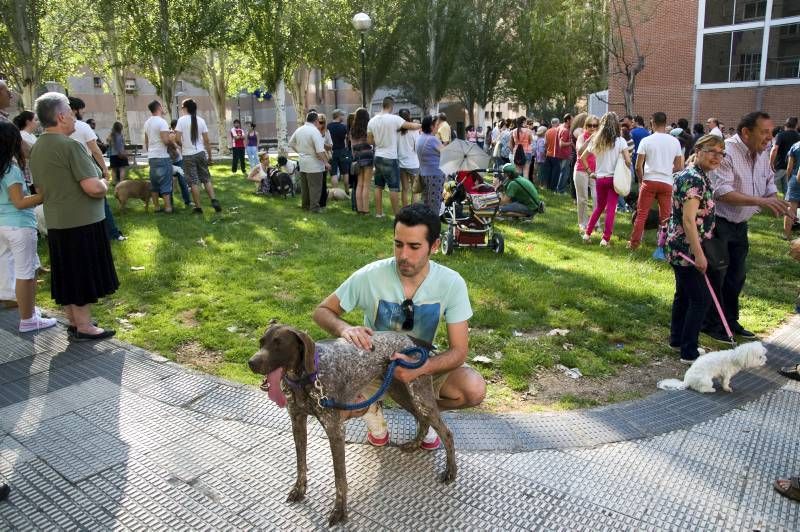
{"type": "Point", "coordinates": [410, 293]}
{"type": "Point", "coordinates": [713, 127]}
{"type": "Point", "coordinates": [658, 157]}
{"type": "Point", "coordinates": [156, 141]}
{"type": "Point", "coordinates": [86, 136]}
{"type": "Point", "coordinates": [382, 132]}
{"type": "Point", "coordinates": [309, 144]}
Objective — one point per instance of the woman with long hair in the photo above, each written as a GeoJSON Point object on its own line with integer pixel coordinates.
{"type": "Point", "coordinates": [407, 157]}
{"type": "Point", "coordinates": [522, 136]}
{"type": "Point", "coordinates": [607, 146]}
{"type": "Point", "coordinates": [251, 149]}
{"type": "Point", "coordinates": [363, 157]}
{"type": "Point", "coordinates": [428, 151]}
{"type": "Point", "coordinates": [117, 156]}
{"type": "Point", "coordinates": [192, 136]}
{"type": "Point", "coordinates": [18, 229]}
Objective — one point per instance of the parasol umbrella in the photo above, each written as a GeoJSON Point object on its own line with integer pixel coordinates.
{"type": "Point", "coordinates": [462, 155]}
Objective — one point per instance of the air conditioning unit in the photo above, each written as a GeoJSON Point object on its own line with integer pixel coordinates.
{"type": "Point", "coordinates": [130, 85]}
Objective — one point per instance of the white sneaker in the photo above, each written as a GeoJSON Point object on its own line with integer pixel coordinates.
{"type": "Point", "coordinates": [604, 243]}
{"type": "Point", "coordinates": [431, 441]}
{"type": "Point", "coordinates": [377, 429]}
{"type": "Point", "coordinates": [35, 323]}
{"type": "Point", "coordinates": [586, 238]}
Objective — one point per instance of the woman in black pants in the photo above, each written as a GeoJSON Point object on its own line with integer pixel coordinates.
{"type": "Point", "coordinates": [691, 223]}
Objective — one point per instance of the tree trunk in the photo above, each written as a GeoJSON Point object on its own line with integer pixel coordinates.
{"type": "Point", "coordinates": [216, 70]}
{"type": "Point", "coordinates": [298, 89]}
{"type": "Point", "coordinates": [30, 76]}
{"type": "Point", "coordinates": [120, 99]}
{"type": "Point", "coordinates": [280, 117]}
{"type": "Point", "coordinates": [431, 96]}
{"type": "Point", "coordinates": [629, 92]}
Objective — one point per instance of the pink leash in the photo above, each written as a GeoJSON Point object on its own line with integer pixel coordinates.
{"type": "Point", "coordinates": [713, 297]}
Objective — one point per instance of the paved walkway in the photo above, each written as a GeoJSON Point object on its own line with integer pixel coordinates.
{"type": "Point", "coordinates": [106, 435]}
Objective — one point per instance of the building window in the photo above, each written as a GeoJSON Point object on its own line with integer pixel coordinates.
{"type": "Point", "coordinates": [97, 83]}
{"type": "Point", "coordinates": [726, 12]}
{"type": "Point", "coordinates": [130, 85]}
{"type": "Point", "coordinates": [783, 52]}
{"type": "Point", "coordinates": [785, 8]}
{"type": "Point", "coordinates": [179, 86]}
{"type": "Point", "coordinates": [741, 44]}
{"type": "Point", "coordinates": [732, 56]}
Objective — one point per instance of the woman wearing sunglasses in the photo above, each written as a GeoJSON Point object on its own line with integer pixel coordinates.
{"type": "Point", "coordinates": [582, 171]}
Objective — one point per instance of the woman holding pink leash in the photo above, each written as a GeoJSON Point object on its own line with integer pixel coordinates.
{"type": "Point", "coordinates": [689, 235]}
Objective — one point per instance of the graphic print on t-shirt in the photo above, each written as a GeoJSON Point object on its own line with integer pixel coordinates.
{"type": "Point", "coordinates": [390, 317]}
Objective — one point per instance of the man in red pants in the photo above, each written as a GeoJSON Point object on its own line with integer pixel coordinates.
{"type": "Point", "coordinates": [659, 156]}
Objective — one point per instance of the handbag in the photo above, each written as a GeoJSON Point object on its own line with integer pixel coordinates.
{"type": "Point", "coordinates": [716, 251]}
{"type": "Point", "coordinates": [622, 177]}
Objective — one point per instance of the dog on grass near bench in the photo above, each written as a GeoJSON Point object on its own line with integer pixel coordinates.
{"type": "Point", "coordinates": [292, 363]}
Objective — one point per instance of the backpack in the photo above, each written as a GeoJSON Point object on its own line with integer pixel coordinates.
{"type": "Point", "coordinates": [519, 152]}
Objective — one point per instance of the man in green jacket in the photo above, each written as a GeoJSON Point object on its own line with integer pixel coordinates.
{"type": "Point", "coordinates": [519, 196]}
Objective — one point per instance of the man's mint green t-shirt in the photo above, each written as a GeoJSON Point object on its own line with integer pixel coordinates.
{"type": "Point", "coordinates": [376, 289]}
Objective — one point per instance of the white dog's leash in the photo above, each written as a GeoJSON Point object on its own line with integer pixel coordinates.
{"type": "Point", "coordinates": [714, 298]}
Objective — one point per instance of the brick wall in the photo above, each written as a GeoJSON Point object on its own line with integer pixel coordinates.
{"type": "Point", "coordinates": [667, 82]}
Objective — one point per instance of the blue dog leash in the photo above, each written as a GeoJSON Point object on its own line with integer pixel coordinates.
{"type": "Point", "coordinates": [326, 402]}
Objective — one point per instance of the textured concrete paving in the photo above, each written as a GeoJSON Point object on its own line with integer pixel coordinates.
{"type": "Point", "coordinates": [108, 436]}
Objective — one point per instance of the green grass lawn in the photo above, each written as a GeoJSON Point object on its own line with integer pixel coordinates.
{"type": "Point", "coordinates": [211, 283]}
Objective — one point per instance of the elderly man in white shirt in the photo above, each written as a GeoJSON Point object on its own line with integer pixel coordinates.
{"type": "Point", "coordinates": [307, 141]}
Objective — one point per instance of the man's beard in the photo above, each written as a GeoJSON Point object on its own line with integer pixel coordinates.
{"type": "Point", "coordinates": [78, 115]}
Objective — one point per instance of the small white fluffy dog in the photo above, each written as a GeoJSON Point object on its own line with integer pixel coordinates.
{"type": "Point", "coordinates": [719, 364]}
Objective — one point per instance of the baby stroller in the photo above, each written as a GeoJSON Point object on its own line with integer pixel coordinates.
{"type": "Point", "coordinates": [470, 206]}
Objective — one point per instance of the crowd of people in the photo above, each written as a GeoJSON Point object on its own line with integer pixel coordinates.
{"type": "Point", "coordinates": [707, 187]}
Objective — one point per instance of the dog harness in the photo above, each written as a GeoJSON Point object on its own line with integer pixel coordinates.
{"type": "Point", "coordinates": [323, 401]}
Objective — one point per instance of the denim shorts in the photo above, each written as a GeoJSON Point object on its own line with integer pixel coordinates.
{"type": "Point", "coordinates": [793, 189]}
{"type": "Point", "coordinates": [161, 175]}
{"type": "Point", "coordinates": [387, 174]}
{"type": "Point", "coordinates": [340, 162]}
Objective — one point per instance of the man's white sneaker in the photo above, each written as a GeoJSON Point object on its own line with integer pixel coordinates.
{"type": "Point", "coordinates": [377, 429]}
{"type": "Point", "coordinates": [431, 441]}
{"type": "Point", "coordinates": [35, 323]}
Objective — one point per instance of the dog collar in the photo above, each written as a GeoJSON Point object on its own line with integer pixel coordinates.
{"type": "Point", "coordinates": [307, 379]}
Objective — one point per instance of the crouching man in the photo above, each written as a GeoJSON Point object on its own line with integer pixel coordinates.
{"type": "Point", "coordinates": [410, 293]}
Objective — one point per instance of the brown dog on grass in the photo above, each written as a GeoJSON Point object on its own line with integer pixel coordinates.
{"type": "Point", "coordinates": [132, 189]}
{"type": "Point", "coordinates": [343, 371]}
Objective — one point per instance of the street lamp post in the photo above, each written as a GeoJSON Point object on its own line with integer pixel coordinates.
{"type": "Point", "coordinates": [362, 23]}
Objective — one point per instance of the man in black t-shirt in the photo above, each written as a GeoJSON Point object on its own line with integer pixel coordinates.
{"type": "Point", "coordinates": [340, 156]}
{"type": "Point", "coordinates": [780, 148]}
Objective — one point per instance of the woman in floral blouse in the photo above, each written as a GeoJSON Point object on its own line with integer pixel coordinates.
{"type": "Point", "coordinates": [691, 223]}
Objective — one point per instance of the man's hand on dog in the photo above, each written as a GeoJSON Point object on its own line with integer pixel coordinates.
{"type": "Point", "coordinates": [406, 375]}
{"type": "Point", "coordinates": [359, 336]}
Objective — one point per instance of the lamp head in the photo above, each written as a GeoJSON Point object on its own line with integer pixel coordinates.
{"type": "Point", "coordinates": [362, 22]}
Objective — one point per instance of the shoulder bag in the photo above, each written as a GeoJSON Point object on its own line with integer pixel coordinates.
{"type": "Point", "coordinates": [622, 177]}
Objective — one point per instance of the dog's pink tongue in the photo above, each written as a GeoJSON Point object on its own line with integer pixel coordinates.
{"type": "Point", "coordinates": [275, 393]}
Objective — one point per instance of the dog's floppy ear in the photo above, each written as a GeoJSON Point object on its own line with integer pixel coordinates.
{"type": "Point", "coordinates": [308, 350]}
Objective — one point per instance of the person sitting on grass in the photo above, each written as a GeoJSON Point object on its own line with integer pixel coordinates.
{"type": "Point", "coordinates": [260, 174]}
{"type": "Point", "coordinates": [519, 196]}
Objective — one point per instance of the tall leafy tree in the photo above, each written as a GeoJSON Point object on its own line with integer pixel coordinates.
{"type": "Point", "coordinates": [432, 37]}
{"type": "Point", "coordinates": [40, 42]}
{"type": "Point", "coordinates": [169, 36]}
{"type": "Point", "coordinates": [483, 58]}
{"type": "Point", "coordinates": [559, 60]}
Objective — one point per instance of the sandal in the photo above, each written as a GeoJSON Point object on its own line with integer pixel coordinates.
{"type": "Point", "coordinates": [791, 372]}
{"type": "Point", "coordinates": [790, 492]}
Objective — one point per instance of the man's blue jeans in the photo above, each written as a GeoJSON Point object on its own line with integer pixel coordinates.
{"type": "Point", "coordinates": [564, 175]}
